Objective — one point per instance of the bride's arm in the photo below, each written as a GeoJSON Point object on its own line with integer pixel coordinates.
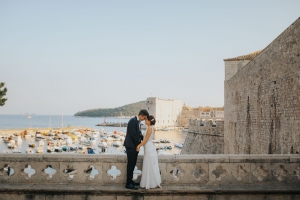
{"type": "Point", "coordinates": [149, 132]}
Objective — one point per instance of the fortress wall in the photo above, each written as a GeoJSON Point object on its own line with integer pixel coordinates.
{"type": "Point", "coordinates": [204, 139]}
{"type": "Point", "coordinates": [262, 100]}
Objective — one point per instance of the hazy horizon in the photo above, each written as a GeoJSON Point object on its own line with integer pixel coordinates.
{"type": "Point", "coordinates": [69, 56]}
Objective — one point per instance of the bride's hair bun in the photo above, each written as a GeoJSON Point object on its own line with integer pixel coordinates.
{"type": "Point", "coordinates": [152, 120]}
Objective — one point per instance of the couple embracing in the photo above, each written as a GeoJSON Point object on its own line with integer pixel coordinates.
{"type": "Point", "coordinates": [133, 141]}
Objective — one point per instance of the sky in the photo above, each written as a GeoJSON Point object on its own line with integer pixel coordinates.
{"type": "Point", "coordinates": [68, 56]}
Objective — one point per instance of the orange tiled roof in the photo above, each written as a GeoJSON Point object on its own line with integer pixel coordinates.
{"type": "Point", "coordinates": [249, 56]}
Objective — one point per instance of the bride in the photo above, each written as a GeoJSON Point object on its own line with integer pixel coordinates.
{"type": "Point", "coordinates": [150, 171]}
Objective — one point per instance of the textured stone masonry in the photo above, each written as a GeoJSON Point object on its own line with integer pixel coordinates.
{"type": "Point", "coordinates": [262, 100]}
{"type": "Point", "coordinates": [204, 139]}
{"type": "Point", "coordinates": [189, 176]}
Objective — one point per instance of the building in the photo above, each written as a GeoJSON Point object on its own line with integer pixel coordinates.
{"type": "Point", "coordinates": [165, 111]}
{"type": "Point", "coordinates": [213, 113]}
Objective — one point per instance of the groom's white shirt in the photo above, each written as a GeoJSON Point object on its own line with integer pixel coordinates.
{"type": "Point", "coordinates": [137, 118]}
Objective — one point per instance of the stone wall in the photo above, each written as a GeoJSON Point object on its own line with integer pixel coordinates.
{"type": "Point", "coordinates": [189, 176]}
{"type": "Point", "coordinates": [232, 67]}
{"type": "Point", "coordinates": [262, 100]}
{"type": "Point", "coordinates": [204, 139]}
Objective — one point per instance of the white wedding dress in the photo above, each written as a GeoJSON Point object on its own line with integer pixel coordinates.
{"type": "Point", "coordinates": [150, 171]}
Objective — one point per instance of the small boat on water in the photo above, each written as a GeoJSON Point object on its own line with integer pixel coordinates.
{"type": "Point", "coordinates": [168, 147]}
{"type": "Point", "coordinates": [11, 144]}
{"type": "Point", "coordinates": [41, 143]}
{"type": "Point", "coordinates": [161, 152]}
{"type": "Point", "coordinates": [116, 144]}
{"type": "Point", "coordinates": [40, 150]}
{"type": "Point", "coordinates": [165, 129]}
{"type": "Point", "coordinates": [32, 145]}
{"type": "Point", "coordinates": [57, 149]}
{"type": "Point", "coordinates": [90, 151]}
{"type": "Point", "coordinates": [50, 149]}
{"type": "Point", "coordinates": [179, 145]}
{"type": "Point", "coordinates": [18, 139]}
{"type": "Point", "coordinates": [27, 137]}
{"type": "Point", "coordinates": [102, 144]}
{"type": "Point", "coordinates": [16, 151]}
{"type": "Point", "coordinates": [7, 139]}
{"type": "Point", "coordinates": [29, 150]}
{"type": "Point", "coordinates": [39, 138]}
{"type": "Point", "coordinates": [155, 141]}
{"type": "Point", "coordinates": [165, 141]}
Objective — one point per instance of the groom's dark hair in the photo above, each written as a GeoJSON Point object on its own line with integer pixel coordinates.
{"type": "Point", "coordinates": [144, 113]}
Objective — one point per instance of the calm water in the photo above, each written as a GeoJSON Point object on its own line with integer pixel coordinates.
{"type": "Point", "coordinates": [55, 121]}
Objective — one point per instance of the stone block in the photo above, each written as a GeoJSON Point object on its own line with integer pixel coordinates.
{"type": "Point", "coordinates": [99, 197]}
{"type": "Point", "coordinates": [286, 173]}
{"type": "Point", "coordinates": [35, 167]}
{"type": "Point", "coordinates": [163, 172]}
{"type": "Point", "coordinates": [192, 197]}
{"type": "Point", "coordinates": [186, 173]}
{"type": "Point", "coordinates": [261, 173]}
{"type": "Point", "coordinates": [166, 158]}
{"type": "Point", "coordinates": [121, 179]}
{"type": "Point", "coordinates": [130, 197]}
{"type": "Point", "coordinates": [295, 158]}
{"type": "Point", "coordinates": [65, 197]}
{"type": "Point", "coordinates": [228, 173]}
{"type": "Point", "coordinates": [76, 174]}
{"type": "Point", "coordinates": [21, 157]}
{"type": "Point", "coordinates": [14, 178]}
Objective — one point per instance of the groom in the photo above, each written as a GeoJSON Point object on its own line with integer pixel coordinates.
{"type": "Point", "coordinates": [132, 140]}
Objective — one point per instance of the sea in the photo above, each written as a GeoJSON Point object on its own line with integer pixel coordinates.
{"type": "Point", "coordinates": [20, 122]}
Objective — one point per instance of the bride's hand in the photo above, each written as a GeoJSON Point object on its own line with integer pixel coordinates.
{"type": "Point", "coordinates": [138, 148]}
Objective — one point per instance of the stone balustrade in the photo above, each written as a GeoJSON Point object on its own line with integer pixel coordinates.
{"type": "Point", "coordinates": [176, 170]}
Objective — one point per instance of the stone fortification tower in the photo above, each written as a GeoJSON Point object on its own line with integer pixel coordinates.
{"type": "Point", "coordinates": [262, 98]}
{"type": "Point", "coordinates": [233, 65]}
{"type": "Point", "coordinates": [165, 111]}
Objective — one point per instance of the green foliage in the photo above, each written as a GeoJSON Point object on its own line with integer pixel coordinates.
{"type": "Point", "coordinates": [2, 94]}
{"type": "Point", "coordinates": [127, 110]}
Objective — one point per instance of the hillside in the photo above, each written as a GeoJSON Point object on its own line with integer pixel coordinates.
{"type": "Point", "coordinates": [126, 110]}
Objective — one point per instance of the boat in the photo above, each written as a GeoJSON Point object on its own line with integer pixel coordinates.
{"type": "Point", "coordinates": [29, 150]}
{"type": "Point", "coordinates": [165, 141]}
{"type": "Point", "coordinates": [18, 139]}
{"type": "Point", "coordinates": [16, 151]}
{"type": "Point", "coordinates": [40, 150]}
{"type": "Point", "coordinates": [68, 140]}
{"type": "Point", "coordinates": [31, 145]}
{"type": "Point", "coordinates": [27, 137]}
{"type": "Point", "coordinates": [168, 147]}
{"type": "Point", "coordinates": [116, 144]}
{"type": "Point", "coordinates": [41, 143]}
{"type": "Point", "coordinates": [165, 129]}
{"type": "Point", "coordinates": [90, 151]}
{"type": "Point", "coordinates": [7, 139]}
{"type": "Point", "coordinates": [39, 138]}
{"type": "Point", "coordinates": [57, 149]}
{"type": "Point", "coordinates": [161, 152]}
{"type": "Point", "coordinates": [50, 149]}
{"type": "Point", "coordinates": [155, 141]}
{"type": "Point", "coordinates": [102, 144]}
{"type": "Point", "coordinates": [11, 144]}
{"type": "Point", "coordinates": [179, 145]}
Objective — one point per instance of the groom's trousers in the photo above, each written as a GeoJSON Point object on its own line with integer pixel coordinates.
{"type": "Point", "coordinates": [132, 155]}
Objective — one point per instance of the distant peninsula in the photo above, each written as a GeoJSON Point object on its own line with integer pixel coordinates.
{"type": "Point", "coordinates": [126, 110]}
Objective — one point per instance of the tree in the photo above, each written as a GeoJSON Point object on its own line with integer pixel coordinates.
{"type": "Point", "coordinates": [2, 94]}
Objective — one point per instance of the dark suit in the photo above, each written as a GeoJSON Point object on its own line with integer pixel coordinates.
{"type": "Point", "coordinates": [132, 140]}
